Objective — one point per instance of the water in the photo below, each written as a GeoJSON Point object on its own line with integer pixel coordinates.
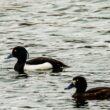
{"type": "Point", "coordinates": [73, 31]}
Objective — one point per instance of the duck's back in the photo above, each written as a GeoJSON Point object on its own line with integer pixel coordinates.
{"type": "Point", "coordinates": [99, 93]}
{"type": "Point", "coordinates": [98, 89]}
{"type": "Point", "coordinates": [40, 60]}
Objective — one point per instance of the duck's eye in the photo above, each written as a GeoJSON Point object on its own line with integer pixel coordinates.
{"type": "Point", "coordinates": [77, 80]}
{"type": "Point", "coordinates": [15, 50]}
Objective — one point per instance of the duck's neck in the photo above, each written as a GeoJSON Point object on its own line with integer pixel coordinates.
{"type": "Point", "coordinates": [80, 90]}
{"type": "Point", "coordinates": [78, 93]}
{"type": "Point", "coordinates": [19, 66]}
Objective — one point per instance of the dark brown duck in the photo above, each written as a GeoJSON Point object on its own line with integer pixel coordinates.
{"type": "Point", "coordinates": [97, 93]}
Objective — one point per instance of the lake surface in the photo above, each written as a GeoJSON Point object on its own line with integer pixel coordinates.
{"type": "Point", "coordinates": [76, 32]}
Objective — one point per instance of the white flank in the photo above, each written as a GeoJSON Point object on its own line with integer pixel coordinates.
{"type": "Point", "coordinates": [44, 66]}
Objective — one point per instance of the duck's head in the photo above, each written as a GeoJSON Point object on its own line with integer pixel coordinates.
{"type": "Point", "coordinates": [79, 83]}
{"type": "Point", "coordinates": [19, 52]}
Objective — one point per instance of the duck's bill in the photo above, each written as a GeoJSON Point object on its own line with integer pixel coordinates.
{"type": "Point", "coordinates": [9, 56]}
{"type": "Point", "coordinates": [70, 86]}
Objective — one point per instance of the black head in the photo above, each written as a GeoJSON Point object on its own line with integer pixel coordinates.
{"type": "Point", "coordinates": [20, 53]}
{"type": "Point", "coordinates": [79, 83]}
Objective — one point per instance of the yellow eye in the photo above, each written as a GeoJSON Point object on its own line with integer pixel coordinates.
{"type": "Point", "coordinates": [77, 80]}
{"type": "Point", "coordinates": [15, 50]}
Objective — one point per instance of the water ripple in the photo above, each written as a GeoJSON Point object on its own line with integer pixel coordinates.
{"type": "Point", "coordinates": [73, 31]}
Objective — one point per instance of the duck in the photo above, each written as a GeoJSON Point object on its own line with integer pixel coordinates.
{"type": "Point", "coordinates": [38, 63]}
{"type": "Point", "coordinates": [97, 93]}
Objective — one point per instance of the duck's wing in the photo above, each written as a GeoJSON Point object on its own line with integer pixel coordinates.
{"type": "Point", "coordinates": [41, 60]}
{"type": "Point", "coordinates": [98, 93]}
{"type": "Point", "coordinates": [97, 89]}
